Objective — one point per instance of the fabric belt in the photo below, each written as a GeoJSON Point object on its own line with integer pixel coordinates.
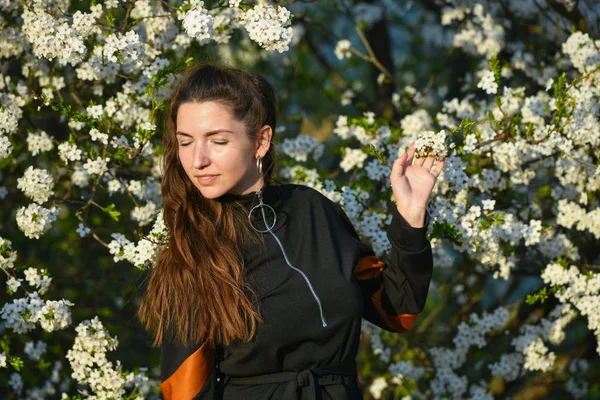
{"type": "Point", "coordinates": [303, 384]}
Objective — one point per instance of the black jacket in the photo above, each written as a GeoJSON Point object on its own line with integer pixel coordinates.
{"type": "Point", "coordinates": [293, 355]}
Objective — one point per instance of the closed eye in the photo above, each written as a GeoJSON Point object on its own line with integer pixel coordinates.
{"type": "Point", "coordinates": [183, 144]}
{"type": "Point", "coordinates": [221, 143]}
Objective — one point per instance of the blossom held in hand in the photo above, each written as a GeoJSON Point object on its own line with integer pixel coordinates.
{"type": "Point", "coordinates": [432, 144]}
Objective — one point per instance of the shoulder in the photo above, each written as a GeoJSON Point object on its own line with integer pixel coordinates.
{"type": "Point", "coordinates": [302, 193]}
{"type": "Point", "coordinates": [300, 197]}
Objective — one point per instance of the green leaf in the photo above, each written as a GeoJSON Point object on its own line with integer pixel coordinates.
{"type": "Point", "coordinates": [496, 69]}
{"type": "Point", "coordinates": [445, 230]}
{"type": "Point", "coordinates": [16, 362]}
{"type": "Point", "coordinates": [110, 19]}
{"type": "Point", "coordinates": [112, 212]}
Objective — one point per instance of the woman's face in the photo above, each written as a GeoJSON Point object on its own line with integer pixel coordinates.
{"type": "Point", "coordinates": [215, 151]}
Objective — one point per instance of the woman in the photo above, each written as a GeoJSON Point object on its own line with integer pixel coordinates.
{"type": "Point", "coordinates": [262, 288]}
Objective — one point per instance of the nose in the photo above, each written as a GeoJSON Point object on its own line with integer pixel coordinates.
{"type": "Point", "coordinates": [201, 159]}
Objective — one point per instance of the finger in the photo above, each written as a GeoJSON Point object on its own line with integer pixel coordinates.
{"type": "Point", "coordinates": [428, 163]}
{"type": "Point", "coordinates": [438, 168]}
{"type": "Point", "coordinates": [419, 160]}
{"type": "Point", "coordinates": [411, 154]}
{"type": "Point", "coordinates": [398, 167]}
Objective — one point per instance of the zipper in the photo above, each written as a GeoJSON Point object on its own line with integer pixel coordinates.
{"type": "Point", "coordinates": [269, 229]}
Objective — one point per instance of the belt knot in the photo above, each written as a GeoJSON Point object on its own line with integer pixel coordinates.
{"type": "Point", "coordinates": [305, 378]}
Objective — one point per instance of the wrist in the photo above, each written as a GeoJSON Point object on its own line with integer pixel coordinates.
{"type": "Point", "coordinates": [415, 217]}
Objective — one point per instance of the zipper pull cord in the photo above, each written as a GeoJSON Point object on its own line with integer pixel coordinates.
{"type": "Point", "coordinates": [269, 229]}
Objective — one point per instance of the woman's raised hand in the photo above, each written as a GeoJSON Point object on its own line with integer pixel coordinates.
{"type": "Point", "coordinates": [412, 183]}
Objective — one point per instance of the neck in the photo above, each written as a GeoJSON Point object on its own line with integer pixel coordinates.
{"type": "Point", "coordinates": [258, 185]}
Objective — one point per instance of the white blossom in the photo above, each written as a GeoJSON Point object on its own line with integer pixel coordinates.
{"type": "Point", "coordinates": [269, 26]}
{"type": "Point", "coordinates": [36, 184]}
{"type": "Point", "coordinates": [342, 49]}
{"type": "Point", "coordinates": [39, 142]}
{"type": "Point", "coordinates": [353, 158]}
{"type": "Point", "coordinates": [488, 83]}
{"type": "Point", "coordinates": [35, 220]}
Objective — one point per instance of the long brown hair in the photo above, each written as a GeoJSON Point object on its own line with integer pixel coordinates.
{"type": "Point", "coordinates": [197, 291]}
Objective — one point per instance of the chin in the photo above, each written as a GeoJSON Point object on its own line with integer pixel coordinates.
{"type": "Point", "coordinates": [211, 192]}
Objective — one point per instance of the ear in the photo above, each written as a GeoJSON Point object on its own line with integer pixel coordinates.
{"type": "Point", "coordinates": [263, 140]}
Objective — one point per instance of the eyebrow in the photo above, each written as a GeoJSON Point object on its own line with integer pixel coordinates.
{"type": "Point", "coordinates": [207, 134]}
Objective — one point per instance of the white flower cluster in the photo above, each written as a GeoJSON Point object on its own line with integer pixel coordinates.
{"type": "Point", "coordinates": [413, 124]}
{"type": "Point", "coordinates": [39, 142]}
{"type": "Point", "coordinates": [224, 23]}
{"type": "Point", "coordinates": [144, 215]}
{"type": "Point", "coordinates": [402, 370]}
{"type": "Point", "coordinates": [371, 226]}
{"type": "Point", "coordinates": [35, 220]}
{"type": "Point", "coordinates": [106, 380]}
{"type": "Point", "coordinates": [80, 177]}
{"type": "Point", "coordinates": [583, 51]}
{"type": "Point", "coordinates": [581, 290]}
{"type": "Point", "coordinates": [9, 120]}
{"type": "Point", "coordinates": [269, 26]}
{"type": "Point", "coordinates": [197, 22]}
{"type": "Point", "coordinates": [148, 190]}
{"type": "Point", "coordinates": [300, 175]}
{"type": "Point", "coordinates": [488, 83]}
{"type": "Point", "coordinates": [36, 184]}
{"type": "Point", "coordinates": [432, 144]}
{"type": "Point", "coordinates": [24, 313]}
{"type": "Point", "coordinates": [5, 146]}
{"type": "Point", "coordinates": [447, 361]}
{"type": "Point", "coordinates": [301, 146]}
{"type": "Point", "coordinates": [353, 158]}
{"type": "Point", "coordinates": [89, 363]}
{"type": "Point", "coordinates": [509, 366]}
{"type": "Point", "coordinates": [372, 331]}
{"type": "Point", "coordinates": [352, 201]}
{"type": "Point", "coordinates": [377, 387]}
{"type": "Point", "coordinates": [8, 257]}
{"type": "Point", "coordinates": [38, 279]}
{"type": "Point", "coordinates": [377, 138]}
{"type": "Point", "coordinates": [481, 35]}
{"type": "Point", "coordinates": [127, 51]}
{"type": "Point", "coordinates": [377, 171]}
{"type": "Point", "coordinates": [346, 97]}
{"type": "Point", "coordinates": [144, 252]}
{"type": "Point", "coordinates": [534, 354]}
{"type": "Point", "coordinates": [571, 214]}
{"type": "Point", "coordinates": [98, 166]}
{"type": "Point", "coordinates": [342, 49]}
{"type": "Point", "coordinates": [69, 152]}
{"type": "Point", "coordinates": [53, 38]}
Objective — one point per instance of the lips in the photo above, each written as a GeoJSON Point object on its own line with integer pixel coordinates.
{"type": "Point", "coordinates": [206, 179]}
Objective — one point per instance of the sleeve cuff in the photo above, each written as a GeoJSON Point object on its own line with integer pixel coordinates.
{"type": "Point", "coordinates": [401, 234]}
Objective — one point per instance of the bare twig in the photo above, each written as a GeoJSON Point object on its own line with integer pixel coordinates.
{"type": "Point", "coordinates": [127, 16]}
{"type": "Point", "coordinates": [372, 58]}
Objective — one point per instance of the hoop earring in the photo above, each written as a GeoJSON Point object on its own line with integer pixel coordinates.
{"type": "Point", "coordinates": [259, 165]}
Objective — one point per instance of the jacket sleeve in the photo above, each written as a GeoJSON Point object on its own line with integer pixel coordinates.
{"type": "Point", "coordinates": [395, 293]}
{"type": "Point", "coordinates": [188, 372]}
